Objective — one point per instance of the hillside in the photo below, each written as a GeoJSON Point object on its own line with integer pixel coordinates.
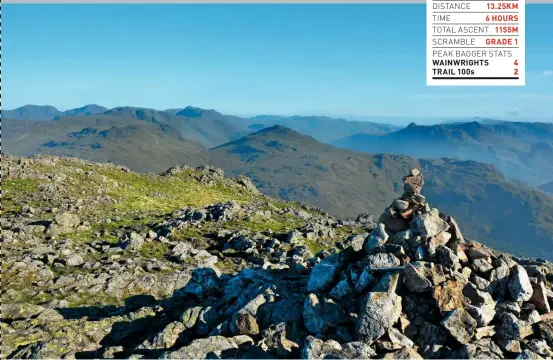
{"type": "Point", "coordinates": [522, 151]}
{"type": "Point", "coordinates": [139, 145]}
{"type": "Point", "coordinates": [101, 262]}
{"type": "Point", "coordinates": [284, 163]}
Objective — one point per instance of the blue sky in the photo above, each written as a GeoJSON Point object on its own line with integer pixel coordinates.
{"type": "Point", "coordinates": [337, 60]}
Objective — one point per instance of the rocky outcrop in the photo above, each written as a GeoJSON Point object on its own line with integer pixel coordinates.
{"type": "Point", "coordinates": [408, 286]}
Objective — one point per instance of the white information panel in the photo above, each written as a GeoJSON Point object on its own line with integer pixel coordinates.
{"type": "Point", "coordinates": [475, 42]}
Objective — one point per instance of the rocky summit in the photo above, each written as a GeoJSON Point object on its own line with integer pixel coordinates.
{"type": "Point", "coordinates": [102, 262]}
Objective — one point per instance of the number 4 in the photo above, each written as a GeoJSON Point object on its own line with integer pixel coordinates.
{"type": "Point", "coordinates": [516, 62]}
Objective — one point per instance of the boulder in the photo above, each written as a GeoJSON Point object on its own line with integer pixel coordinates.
{"type": "Point", "coordinates": [520, 287]}
{"type": "Point", "coordinates": [460, 325]}
{"type": "Point", "coordinates": [379, 312]}
{"type": "Point", "coordinates": [378, 237]}
{"type": "Point", "coordinates": [428, 225]}
{"type": "Point", "coordinates": [323, 274]}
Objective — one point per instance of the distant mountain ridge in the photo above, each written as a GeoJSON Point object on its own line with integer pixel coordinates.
{"type": "Point", "coordinates": [523, 151]}
{"type": "Point", "coordinates": [215, 128]}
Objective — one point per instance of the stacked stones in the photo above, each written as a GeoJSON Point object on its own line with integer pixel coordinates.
{"type": "Point", "coordinates": [410, 223]}
{"type": "Point", "coordinates": [424, 291]}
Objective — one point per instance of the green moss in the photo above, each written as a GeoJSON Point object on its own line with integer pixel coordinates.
{"type": "Point", "coordinates": [226, 266]}
{"type": "Point", "coordinates": [143, 192]}
{"type": "Point", "coordinates": [277, 223]}
{"type": "Point", "coordinates": [154, 250]}
{"type": "Point", "coordinates": [314, 246]}
{"type": "Point", "coordinates": [13, 191]}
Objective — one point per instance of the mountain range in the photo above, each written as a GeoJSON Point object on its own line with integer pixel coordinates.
{"type": "Point", "coordinates": [293, 166]}
{"type": "Point", "coordinates": [522, 151]}
{"type": "Point", "coordinates": [210, 127]}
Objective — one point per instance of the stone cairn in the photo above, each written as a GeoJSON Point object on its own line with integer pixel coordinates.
{"type": "Point", "coordinates": [423, 291]}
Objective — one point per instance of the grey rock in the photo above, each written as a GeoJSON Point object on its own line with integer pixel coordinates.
{"type": "Point", "coordinates": [357, 350]}
{"type": "Point", "coordinates": [415, 278]}
{"type": "Point", "coordinates": [403, 353]}
{"type": "Point", "coordinates": [482, 266]}
{"type": "Point", "coordinates": [483, 314]}
{"type": "Point", "coordinates": [396, 337]}
{"type": "Point", "coordinates": [528, 354]}
{"type": "Point", "coordinates": [378, 237]}
{"type": "Point", "coordinates": [381, 260]}
{"type": "Point", "coordinates": [200, 348]}
{"type": "Point", "coordinates": [323, 274]}
{"type": "Point", "coordinates": [446, 257]}
{"type": "Point", "coordinates": [387, 283]}
{"type": "Point", "coordinates": [320, 314]}
{"type": "Point", "coordinates": [204, 282]}
{"type": "Point", "coordinates": [74, 260]}
{"type": "Point", "coordinates": [540, 347]}
{"type": "Point", "coordinates": [460, 325]}
{"type": "Point", "coordinates": [67, 220]}
{"type": "Point", "coordinates": [356, 241]}
{"type": "Point", "coordinates": [379, 312]}
{"type": "Point", "coordinates": [539, 296]}
{"type": "Point", "coordinates": [190, 316]}
{"type": "Point", "coordinates": [365, 280]}
{"type": "Point", "coordinates": [512, 346]}
{"type": "Point", "coordinates": [276, 341]}
{"type": "Point", "coordinates": [511, 328]}
{"type": "Point", "coordinates": [431, 339]}
{"type": "Point", "coordinates": [400, 205]}
{"type": "Point", "coordinates": [131, 241]}
{"type": "Point", "coordinates": [520, 287]}
{"type": "Point", "coordinates": [476, 296]}
{"type": "Point", "coordinates": [315, 348]}
{"type": "Point", "coordinates": [164, 339]}
{"type": "Point", "coordinates": [19, 311]}
{"type": "Point", "coordinates": [343, 288]}
{"type": "Point", "coordinates": [427, 225]}
{"type": "Point", "coordinates": [545, 330]}
{"type": "Point", "coordinates": [182, 251]}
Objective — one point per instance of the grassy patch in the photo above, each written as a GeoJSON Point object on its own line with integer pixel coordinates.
{"type": "Point", "coordinates": [166, 194]}
{"type": "Point", "coordinates": [277, 223]}
{"type": "Point", "coordinates": [13, 191]}
{"type": "Point", "coordinates": [315, 246]}
{"type": "Point", "coordinates": [154, 250]}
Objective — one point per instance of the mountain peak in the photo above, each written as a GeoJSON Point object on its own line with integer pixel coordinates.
{"type": "Point", "coordinates": [412, 125]}
{"type": "Point", "coordinates": [89, 109]}
{"type": "Point", "coordinates": [32, 112]}
{"type": "Point", "coordinates": [196, 112]}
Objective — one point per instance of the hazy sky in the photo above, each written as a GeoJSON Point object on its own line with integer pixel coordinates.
{"type": "Point", "coordinates": [337, 60]}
